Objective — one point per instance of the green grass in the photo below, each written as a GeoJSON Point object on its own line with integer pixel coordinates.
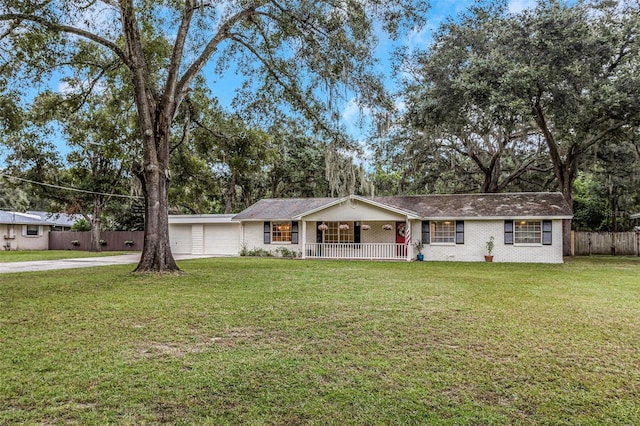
{"type": "Point", "coordinates": [34, 255]}
{"type": "Point", "coordinates": [272, 341]}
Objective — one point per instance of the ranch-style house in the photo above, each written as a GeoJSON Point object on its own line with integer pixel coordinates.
{"type": "Point", "coordinates": [526, 227]}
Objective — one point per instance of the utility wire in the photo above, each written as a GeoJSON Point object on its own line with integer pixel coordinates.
{"type": "Point", "coordinates": [69, 188]}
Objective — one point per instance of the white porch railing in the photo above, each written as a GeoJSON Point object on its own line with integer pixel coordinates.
{"type": "Point", "coordinates": [371, 251]}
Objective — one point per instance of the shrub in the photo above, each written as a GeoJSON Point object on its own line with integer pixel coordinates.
{"type": "Point", "coordinates": [81, 225]}
{"type": "Point", "coordinates": [285, 252]}
{"type": "Point", "coordinates": [259, 252]}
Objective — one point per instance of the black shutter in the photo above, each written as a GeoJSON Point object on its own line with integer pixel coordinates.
{"type": "Point", "coordinates": [426, 237]}
{"type": "Point", "coordinates": [318, 233]}
{"type": "Point", "coordinates": [356, 232]}
{"type": "Point", "coordinates": [508, 232]}
{"type": "Point", "coordinates": [267, 232]}
{"type": "Point", "coordinates": [459, 231]}
{"type": "Point", "coordinates": [294, 232]}
{"type": "Point", "coordinates": [546, 232]}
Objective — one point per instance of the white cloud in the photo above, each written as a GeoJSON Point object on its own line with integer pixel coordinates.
{"type": "Point", "coordinates": [351, 113]}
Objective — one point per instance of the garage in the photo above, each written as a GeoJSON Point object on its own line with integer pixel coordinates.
{"type": "Point", "coordinates": [212, 234]}
{"type": "Point", "coordinates": [222, 238]}
{"type": "Point", "coordinates": [180, 237]}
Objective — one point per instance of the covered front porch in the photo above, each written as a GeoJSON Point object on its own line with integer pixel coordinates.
{"type": "Point", "coordinates": [371, 240]}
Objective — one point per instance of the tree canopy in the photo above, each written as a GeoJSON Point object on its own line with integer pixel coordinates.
{"type": "Point", "coordinates": [306, 54]}
{"type": "Point", "coordinates": [499, 99]}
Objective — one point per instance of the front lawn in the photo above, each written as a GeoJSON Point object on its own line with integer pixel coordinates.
{"type": "Point", "coordinates": [34, 255]}
{"type": "Point", "coordinates": [272, 341]}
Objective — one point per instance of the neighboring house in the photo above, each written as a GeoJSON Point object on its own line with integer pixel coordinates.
{"type": "Point", "coordinates": [59, 221]}
{"type": "Point", "coordinates": [23, 231]}
{"type": "Point", "coordinates": [527, 227]}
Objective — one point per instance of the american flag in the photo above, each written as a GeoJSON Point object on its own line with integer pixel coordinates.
{"type": "Point", "coordinates": [407, 234]}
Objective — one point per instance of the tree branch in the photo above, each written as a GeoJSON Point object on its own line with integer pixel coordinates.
{"type": "Point", "coordinates": [197, 65]}
{"type": "Point", "coordinates": [69, 30]}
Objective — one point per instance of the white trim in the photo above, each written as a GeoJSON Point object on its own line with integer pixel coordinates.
{"type": "Point", "coordinates": [192, 219]}
{"type": "Point", "coordinates": [442, 218]}
{"type": "Point", "coordinates": [407, 214]}
{"type": "Point", "coordinates": [25, 232]}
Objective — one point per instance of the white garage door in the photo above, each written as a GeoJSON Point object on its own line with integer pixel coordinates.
{"type": "Point", "coordinates": [222, 238]}
{"type": "Point", "coordinates": [180, 237]}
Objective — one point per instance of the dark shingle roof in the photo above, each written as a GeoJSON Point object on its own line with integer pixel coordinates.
{"type": "Point", "coordinates": [527, 204]}
{"type": "Point", "coordinates": [282, 208]}
{"type": "Point", "coordinates": [530, 204]}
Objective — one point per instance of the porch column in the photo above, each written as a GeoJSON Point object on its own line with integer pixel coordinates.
{"type": "Point", "coordinates": [303, 240]}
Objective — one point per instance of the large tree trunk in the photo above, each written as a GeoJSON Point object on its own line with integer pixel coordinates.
{"type": "Point", "coordinates": [156, 252]}
{"type": "Point", "coordinates": [231, 194]}
{"type": "Point", "coordinates": [95, 235]}
{"type": "Point", "coordinates": [95, 223]}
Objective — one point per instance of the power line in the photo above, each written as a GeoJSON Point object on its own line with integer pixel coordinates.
{"type": "Point", "coordinates": [69, 188]}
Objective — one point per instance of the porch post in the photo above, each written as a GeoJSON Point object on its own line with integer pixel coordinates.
{"type": "Point", "coordinates": [303, 240]}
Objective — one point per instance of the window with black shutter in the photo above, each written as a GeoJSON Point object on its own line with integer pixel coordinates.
{"type": "Point", "coordinates": [547, 227]}
{"type": "Point", "coordinates": [267, 232]}
{"type": "Point", "coordinates": [508, 232]}
{"type": "Point", "coordinates": [426, 236]}
{"type": "Point", "coordinates": [460, 232]}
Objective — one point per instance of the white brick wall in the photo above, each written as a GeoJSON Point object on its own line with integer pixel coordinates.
{"type": "Point", "coordinates": [253, 236]}
{"type": "Point", "coordinates": [476, 235]}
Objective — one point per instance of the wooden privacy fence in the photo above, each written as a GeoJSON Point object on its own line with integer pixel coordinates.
{"type": "Point", "coordinates": [611, 243]}
{"type": "Point", "coordinates": [113, 240]}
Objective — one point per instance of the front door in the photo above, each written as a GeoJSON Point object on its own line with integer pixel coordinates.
{"type": "Point", "coordinates": [401, 228]}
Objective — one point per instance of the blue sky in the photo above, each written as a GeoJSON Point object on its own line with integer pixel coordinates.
{"type": "Point", "coordinates": [224, 88]}
{"type": "Point", "coordinates": [351, 114]}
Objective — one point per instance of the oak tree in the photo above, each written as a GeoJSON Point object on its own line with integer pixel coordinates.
{"type": "Point", "coordinates": [309, 54]}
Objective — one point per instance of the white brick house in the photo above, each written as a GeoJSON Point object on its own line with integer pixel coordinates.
{"type": "Point", "coordinates": [527, 227]}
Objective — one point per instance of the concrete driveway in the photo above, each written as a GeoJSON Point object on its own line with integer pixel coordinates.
{"type": "Point", "coordinates": [83, 262]}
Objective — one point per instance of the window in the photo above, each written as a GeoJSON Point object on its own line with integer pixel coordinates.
{"type": "Point", "coordinates": [280, 232]}
{"type": "Point", "coordinates": [527, 232]}
{"type": "Point", "coordinates": [443, 232]}
{"type": "Point", "coordinates": [32, 230]}
{"type": "Point", "coordinates": [339, 232]}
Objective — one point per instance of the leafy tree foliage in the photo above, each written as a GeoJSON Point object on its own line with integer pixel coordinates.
{"type": "Point", "coordinates": [457, 109]}
{"type": "Point", "coordinates": [98, 134]}
{"type": "Point", "coordinates": [495, 91]}
{"type": "Point", "coordinates": [300, 52]}
{"type": "Point", "coordinates": [12, 197]}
